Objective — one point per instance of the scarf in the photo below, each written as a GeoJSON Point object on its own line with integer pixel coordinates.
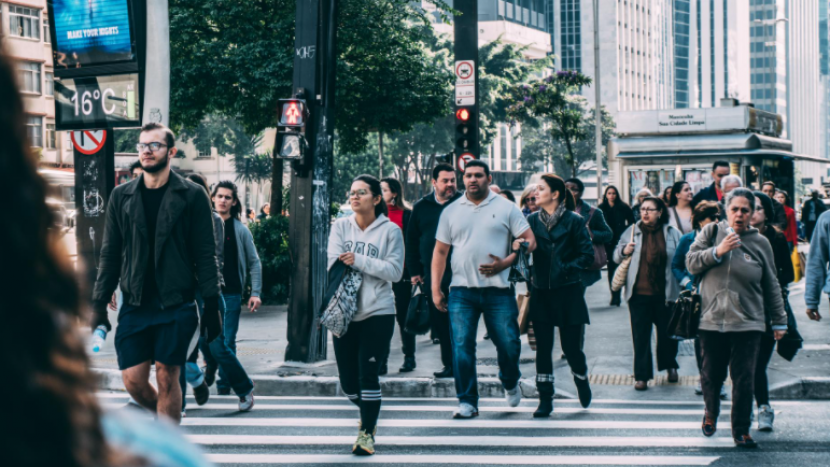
{"type": "Point", "coordinates": [654, 249]}
{"type": "Point", "coordinates": [549, 220]}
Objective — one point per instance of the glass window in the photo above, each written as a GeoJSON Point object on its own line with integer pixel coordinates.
{"type": "Point", "coordinates": [34, 129]}
{"type": "Point", "coordinates": [47, 36]}
{"type": "Point", "coordinates": [24, 22]}
{"type": "Point", "coordinates": [28, 73]}
{"type": "Point", "coordinates": [49, 83]}
{"type": "Point", "coordinates": [655, 180]}
{"type": "Point", "coordinates": [51, 140]}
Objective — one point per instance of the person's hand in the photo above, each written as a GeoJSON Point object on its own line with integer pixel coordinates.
{"type": "Point", "coordinates": [779, 335]}
{"type": "Point", "coordinates": [113, 305]}
{"type": "Point", "coordinates": [729, 243]}
{"type": "Point", "coordinates": [100, 316]}
{"type": "Point", "coordinates": [440, 300]}
{"type": "Point", "coordinates": [211, 320]}
{"type": "Point", "coordinates": [629, 249]}
{"type": "Point", "coordinates": [498, 265]}
{"type": "Point", "coordinates": [254, 303]}
{"type": "Point", "coordinates": [417, 280]}
{"type": "Point", "coordinates": [814, 315]}
{"type": "Point", "coordinates": [347, 258]}
{"type": "Point", "coordinates": [517, 244]}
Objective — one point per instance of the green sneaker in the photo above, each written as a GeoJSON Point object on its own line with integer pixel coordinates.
{"type": "Point", "coordinates": [365, 444]}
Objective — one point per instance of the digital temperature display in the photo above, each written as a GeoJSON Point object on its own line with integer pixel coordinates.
{"type": "Point", "coordinates": [99, 102]}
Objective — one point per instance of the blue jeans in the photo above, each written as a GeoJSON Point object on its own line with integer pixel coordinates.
{"type": "Point", "coordinates": [218, 353]}
{"type": "Point", "coordinates": [233, 308]}
{"type": "Point", "coordinates": [501, 317]}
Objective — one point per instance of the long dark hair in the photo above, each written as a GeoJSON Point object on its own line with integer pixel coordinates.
{"type": "Point", "coordinates": [396, 187]}
{"type": "Point", "coordinates": [200, 180]}
{"type": "Point", "coordinates": [555, 183]}
{"type": "Point", "coordinates": [374, 187]}
{"type": "Point", "coordinates": [55, 414]}
{"type": "Point", "coordinates": [619, 203]}
{"type": "Point", "coordinates": [236, 209]}
{"type": "Point", "coordinates": [664, 211]}
{"type": "Point", "coordinates": [675, 190]}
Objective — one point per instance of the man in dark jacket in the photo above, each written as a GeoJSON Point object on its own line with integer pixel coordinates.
{"type": "Point", "coordinates": [158, 242]}
{"type": "Point", "coordinates": [810, 212]}
{"type": "Point", "coordinates": [420, 244]}
{"type": "Point", "coordinates": [779, 217]}
{"type": "Point", "coordinates": [713, 192]}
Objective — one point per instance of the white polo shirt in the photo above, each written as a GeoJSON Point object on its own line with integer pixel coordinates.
{"type": "Point", "coordinates": [475, 232]}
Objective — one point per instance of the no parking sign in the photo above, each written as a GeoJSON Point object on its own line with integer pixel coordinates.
{"type": "Point", "coordinates": [89, 142]}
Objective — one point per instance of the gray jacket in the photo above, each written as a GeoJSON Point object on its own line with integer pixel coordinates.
{"type": "Point", "coordinates": [248, 258]}
{"type": "Point", "coordinates": [672, 237]}
{"type": "Point", "coordinates": [738, 289]}
{"type": "Point", "coordinates": [219, 238]}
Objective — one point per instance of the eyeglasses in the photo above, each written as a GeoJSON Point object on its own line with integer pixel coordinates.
{"type": "Point", "coordinates": [649, 210]}
{"type": "Point", "coordinates": [358, 193]}
{"type": "Point", "coordinates": [153, 146]}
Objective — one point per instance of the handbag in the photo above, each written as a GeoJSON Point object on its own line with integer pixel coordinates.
{"type": "Point", "coordinates": [686, 310]}
{"type": "Point", "coordinates": [600, 255]}
{"type": "Point", "coordinates": [792, 342]}
{"type": "Point", "coordinates": [341, 306]}
{"type": "Point", "coordinates": [523, 301]}
{"type": "Point", "coordinates": [621, 274]}
{"type": "Point", "coordinates": [417, 315]}
{"type": "Point", "coordinates": [520, 269]}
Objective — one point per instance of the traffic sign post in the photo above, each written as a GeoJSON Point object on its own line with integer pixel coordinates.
{"type": "Point", "coordinates": [466, 79]}
{"type": "Point", "coordinates": [463, 159]}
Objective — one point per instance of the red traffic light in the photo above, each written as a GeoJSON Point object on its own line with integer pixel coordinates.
{"type": "Point", "coordinates": [462, 114]}
{"type": "Point", "coordinates": [293, 113]}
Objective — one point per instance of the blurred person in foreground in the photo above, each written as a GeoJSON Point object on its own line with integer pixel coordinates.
{"type": "Point", "coordinates": [738, 288]}
{"type": "Point", "coordinates": [56, 418]}
{"type": "Point", "coordinates": [818, 280]}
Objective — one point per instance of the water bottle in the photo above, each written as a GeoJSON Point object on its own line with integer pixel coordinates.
{"type": "Point", "coordinates": [98, 338]}
{"type": "Point", "coordinates": [730, 230]}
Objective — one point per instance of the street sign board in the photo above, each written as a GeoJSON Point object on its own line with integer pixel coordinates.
{"type": "Point", "coordinates": [463, 160]}
{"type": "Point", "coordinates": [465, 83]}
{"type": "Point", "coordinates": [97, 102]}
{"type": "Point", "coordinates": [88, 141]}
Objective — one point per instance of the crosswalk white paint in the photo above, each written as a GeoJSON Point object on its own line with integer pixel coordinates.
{"type": "Point", "coordinates": [458, 459]}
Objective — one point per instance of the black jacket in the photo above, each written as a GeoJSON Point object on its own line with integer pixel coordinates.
{"type": "Point", "coordinates": [562, 253]}
{"type": "Point", "coordinates": [707, 194]}
{"type": "Point", "coordinates": [618, 217]}
{"type": "Point", "coordinates": [185, 253]}
{"type": "Point", "coordinates": [779, 217]}
{"type": "Point", "coordinates": [810, 204]}
{"type": "Point", "coordinates": [420, 238]}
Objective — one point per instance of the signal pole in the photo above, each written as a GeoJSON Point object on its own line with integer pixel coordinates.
{"type": "Point", "coordinates": [466, 81]}
{"type": "Point", "coordinates": [315, 60]}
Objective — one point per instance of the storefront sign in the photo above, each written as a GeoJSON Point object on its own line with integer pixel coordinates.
{"type": "Point", "coordinates": [679, 121]}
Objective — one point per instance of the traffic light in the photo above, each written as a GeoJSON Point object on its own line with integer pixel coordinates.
{"type": "Point", "coordinates": [291, 142]}
{"type": "Point", "coordinates": [465, 131]}
{"type": "Point", "coordinates": [293, 113]}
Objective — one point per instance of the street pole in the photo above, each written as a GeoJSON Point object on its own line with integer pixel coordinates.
{"type": "Point", "coordinates": [598, 102]}
{"type": "Point", "coordinates": [315, 61]}
{"type": "Point", "coordinates": [157, 64]}
{"type": "Point", "coordinates": [465, 68]}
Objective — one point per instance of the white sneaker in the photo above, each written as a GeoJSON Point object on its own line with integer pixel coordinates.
{"type": "Point", "coordinates": [246, 403]}
{"type": "Point", "coordinates": [465, 410]}
{"type": "Point", "coordinates": [699, 389]}
{"type": "Point", "coordinates": [765, 418]}
{"type": "Point", "coordinates": [513, 396]}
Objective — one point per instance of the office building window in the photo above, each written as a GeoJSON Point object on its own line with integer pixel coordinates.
{"type": "Point", "coordinates": [49, 84]}
{"type": "Point", "coordinates": [24, 22]}
{"type": "Point", "coordinates": [51, 140]}
{"type": "Point", "coordinates": [34, 129]}
{"type": "Point", "coordinates": [47, 35]}
{"type": "Point", "coordinates": [28, 73]}
{"type": "Point", "coordinates": [571, 35]}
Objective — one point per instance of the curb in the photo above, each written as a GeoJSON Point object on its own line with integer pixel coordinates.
{"type": "Point", "coordinates": [328, 386]}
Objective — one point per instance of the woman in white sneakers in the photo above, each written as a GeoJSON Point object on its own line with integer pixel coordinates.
{"type": "Point", "coordinates": [370, 243]}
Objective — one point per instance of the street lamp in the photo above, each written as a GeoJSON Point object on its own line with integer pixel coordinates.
{"type": "Point", "coordinates": [768, 44]}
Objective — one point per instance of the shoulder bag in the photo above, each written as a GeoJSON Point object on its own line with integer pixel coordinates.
{"type": "Point", "coordinates": [340, 301]}
{"type": "Point", "coordinates": [685, 311]}
{"type": "Point", "coordinates": [417, 315]}
{"type": "Point", "coordinates": [600, 255]}
{"type": "Point", "coordinates": [621, 274]}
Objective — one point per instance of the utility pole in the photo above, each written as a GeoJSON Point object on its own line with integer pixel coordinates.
{"type": "Point", "coordinates": [465, 48]}
{"type": "Point", "coordinates": [597, 102]}
{"type": "Point", "coordinates": [315, 61]}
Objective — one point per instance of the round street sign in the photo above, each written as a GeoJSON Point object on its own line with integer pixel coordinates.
{"type": "Point", "coordinates": [89, 141]}
{"type": "Point", "coordinates": [464, 69]}
{"type": "Point", "coordinates": [463, 160]}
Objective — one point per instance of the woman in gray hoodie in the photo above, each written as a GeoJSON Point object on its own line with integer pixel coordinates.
{"type": "Point", "coordinates": [369, 242]}
{"type": "Point", "coordinates": [738, 284]}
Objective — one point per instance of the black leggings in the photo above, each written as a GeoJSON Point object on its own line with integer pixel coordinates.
{"type": "Point", "coordinates": [359, 354]}
{"type": "Point", "coordinates": [765, 351]}
{"type": "Point", "coordinates": [403, 294]}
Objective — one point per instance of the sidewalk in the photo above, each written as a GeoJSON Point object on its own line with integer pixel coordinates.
{"type": "Point", "coordinates": [262, 341]}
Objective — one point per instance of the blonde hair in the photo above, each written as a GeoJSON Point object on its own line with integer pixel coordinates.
{"type": "Point", "coordinates": [525, 193]}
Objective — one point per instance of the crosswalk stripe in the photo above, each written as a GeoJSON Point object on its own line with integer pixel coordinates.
{"type": "Point", "coordinates": [564, 441]}
{"type": "Point", "coordinates": [446, 423]}
{"type": "Point", "coordinates": [283, 459]}
{"type": "Point", "coordinates": [449, 408]}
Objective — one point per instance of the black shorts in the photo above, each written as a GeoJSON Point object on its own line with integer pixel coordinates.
{"type": "Point", "coordinates": [151, 333]}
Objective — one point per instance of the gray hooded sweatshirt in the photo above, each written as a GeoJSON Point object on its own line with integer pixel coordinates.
{"type": "Point", "coordinates": [736, 289]}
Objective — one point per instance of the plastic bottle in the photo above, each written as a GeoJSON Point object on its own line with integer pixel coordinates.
{"type": "Point", "coordinates": [730, 230]}
{"type": "Point", "coordinates": [98, 338]}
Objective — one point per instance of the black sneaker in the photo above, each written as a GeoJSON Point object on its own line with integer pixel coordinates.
{"type": "Point", "coordinates": [201, 393]}
{"type": "Point", "coordinates": [445, 372]}
{"type": "Point", "coordinates": [408, 365]}
{"type": "Point", "coordinates": [745, 441]}
{"type": "Point", "coordinates": [210, 374]}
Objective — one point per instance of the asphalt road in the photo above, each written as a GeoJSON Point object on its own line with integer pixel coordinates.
{"type": "Point", "coordinates": [320, 431]}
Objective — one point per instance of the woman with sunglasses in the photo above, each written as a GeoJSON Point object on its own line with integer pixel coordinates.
{"type": "Point", "coordinates": [650, 286]}
{"type": "Point", "coordinates": [370, 243]}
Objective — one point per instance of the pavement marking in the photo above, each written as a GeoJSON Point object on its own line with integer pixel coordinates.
{"type": "Point", "coordinates": [507, 441]}
{"type": "Point", "coordinates": [449, 423]}
{"type": "Point", "coordinates": [457, 459]}
{"type": "Point", "coordinates": [444, 408]}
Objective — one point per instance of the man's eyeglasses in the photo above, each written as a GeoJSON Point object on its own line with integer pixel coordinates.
{"type": "Point", "coordinates": [154, 147]}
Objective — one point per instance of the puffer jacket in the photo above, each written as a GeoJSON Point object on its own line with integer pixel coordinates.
{"type": "Point", "coordinates": [672, 237]}
{"type": "Point", "coordinates": [562, 253]}
{"type": "Point", "coordinates": [735, 290]}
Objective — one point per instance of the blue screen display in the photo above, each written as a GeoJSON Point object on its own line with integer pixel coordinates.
{"type": "Point", "coordinates": [91, 32]}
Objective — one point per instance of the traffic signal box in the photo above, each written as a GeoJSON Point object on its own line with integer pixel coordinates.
{"type": "Point", "coordinates": [291, 142]}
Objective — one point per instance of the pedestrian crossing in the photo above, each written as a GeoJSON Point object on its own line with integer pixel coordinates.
{"type": "Point", "coordinates": [412, 431]}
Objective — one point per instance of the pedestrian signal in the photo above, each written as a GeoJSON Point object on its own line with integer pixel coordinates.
{"type": "Point", "coordinates": [293, 114]}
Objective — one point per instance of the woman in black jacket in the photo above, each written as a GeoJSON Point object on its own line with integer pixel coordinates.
{"type": "Point", "coordinates": [618, 216]}
{"type": "Point", "coordinates": [557, 298]}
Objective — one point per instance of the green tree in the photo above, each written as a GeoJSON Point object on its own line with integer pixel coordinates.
{"type": "Point", "coordinates": [554, 98]}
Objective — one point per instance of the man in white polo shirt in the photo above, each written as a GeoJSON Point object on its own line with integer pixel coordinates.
{"type": "Point", "coordinates": [480, 228]}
